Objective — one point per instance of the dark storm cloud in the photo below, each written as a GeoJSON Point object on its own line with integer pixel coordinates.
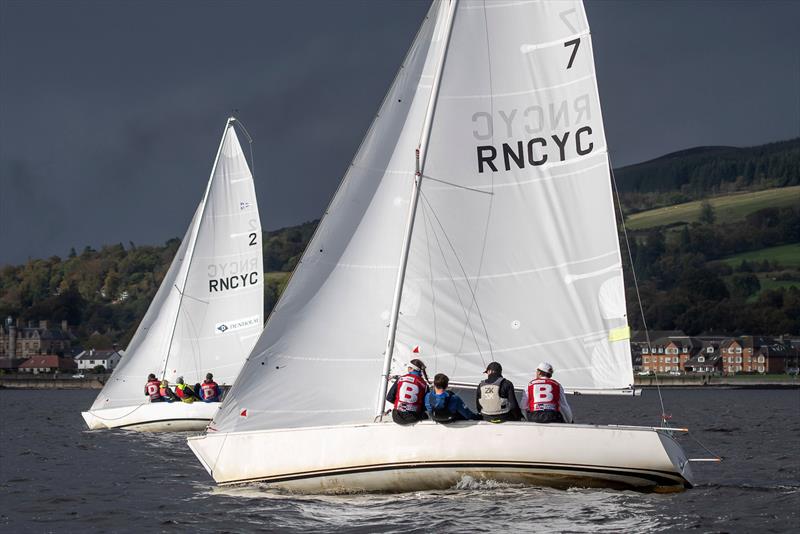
{"type": "Point", "coordinates": [110, 112]}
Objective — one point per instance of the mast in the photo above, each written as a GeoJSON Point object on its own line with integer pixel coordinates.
{"type": "Point", "coordinates": [421, 155]}
{"type": "Point", "coordinates": [193, 243]}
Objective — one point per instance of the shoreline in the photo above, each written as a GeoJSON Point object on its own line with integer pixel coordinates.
{"type": "Point", "coordinates": [644, 382]}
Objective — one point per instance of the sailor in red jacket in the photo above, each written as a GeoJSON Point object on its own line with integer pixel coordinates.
{"type": "Point", "coordinates": [209, 390]}
{"type": "Point", "coordinates": [151, 389]}
{"type": "Point", "coordinates": [408, 394]}
{"type": "Point", "coordinates": [544, 400]}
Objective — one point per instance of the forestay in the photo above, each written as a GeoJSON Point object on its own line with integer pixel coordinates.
{"type": "Point", "coordinates": [208, 312]}
{"type": "Point", "coordinates": [514, 253]}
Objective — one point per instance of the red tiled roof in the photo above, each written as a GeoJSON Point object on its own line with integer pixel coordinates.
{"type": "Point", "coordinates": [47, 361]}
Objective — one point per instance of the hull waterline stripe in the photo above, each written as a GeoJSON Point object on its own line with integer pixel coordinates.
{"type": "Point", "coordinates": [661, 478]}
{"type": "Point", "coordinates": [159, 421]}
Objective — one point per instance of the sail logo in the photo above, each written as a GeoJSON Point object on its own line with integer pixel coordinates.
{"type": "Point", "coordinates": [233, 275]}
{"type": "Point", "coordinates": [237, 324]}
{"type": "Point", "coordinates": [243, 205]}
{"type": "Point", "coordinates": [551, 133]}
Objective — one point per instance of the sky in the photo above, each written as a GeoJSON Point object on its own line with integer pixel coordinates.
{"type": "Point", "coordinates": [111, 111]}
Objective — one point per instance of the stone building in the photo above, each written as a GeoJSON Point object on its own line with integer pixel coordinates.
{"type": "Point", "coordinates": [35, 339]}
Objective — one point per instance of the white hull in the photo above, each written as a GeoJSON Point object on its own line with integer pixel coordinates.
{"type": "Point", "coordinates": [155, 417]}
{"type": "Point", "coordinates": [385, 457]}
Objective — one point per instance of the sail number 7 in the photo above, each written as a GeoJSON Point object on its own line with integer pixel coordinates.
{"type": "Point", "coordinates": [576, 43]}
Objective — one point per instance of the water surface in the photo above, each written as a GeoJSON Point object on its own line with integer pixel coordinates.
{"type": "Point", "coordinates": [55, 476]}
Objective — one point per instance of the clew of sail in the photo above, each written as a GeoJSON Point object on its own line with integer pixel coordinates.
{"type": "Point", "coordinates": [514, 253]}
{"type": "Point", "coordinates": [208, 311]}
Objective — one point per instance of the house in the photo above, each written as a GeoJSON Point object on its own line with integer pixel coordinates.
{"type": "Point", "coordinates": [89, 359]}
{"type": "Point", "coordinates": [48, 363]}
{"type": "Point", "coordinates": [756, 354]}
{"type": "Point", "coordinates": [708, 359]}
{"type": "Point", "coordinates": [669, 354]}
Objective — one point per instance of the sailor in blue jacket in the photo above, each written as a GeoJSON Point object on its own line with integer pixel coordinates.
{"type": "Point", "coordinates": [446, 406]}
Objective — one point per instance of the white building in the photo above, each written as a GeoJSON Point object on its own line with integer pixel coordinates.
{"type": "Point", "coordinates": [89, 359]}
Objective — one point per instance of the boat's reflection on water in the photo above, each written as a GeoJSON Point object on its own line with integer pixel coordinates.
{"type": "Point", "coordinates": [467, 506]}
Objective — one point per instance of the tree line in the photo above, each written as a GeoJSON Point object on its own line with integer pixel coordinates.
{"type": "Point", "coordinates": [682, 283]}
{"type": "Point", "coordinates": [684, 287]}
{"type": "Point", "coordinates": [108, 291]}
{"type": "Point", "coordinates": [707, 171]}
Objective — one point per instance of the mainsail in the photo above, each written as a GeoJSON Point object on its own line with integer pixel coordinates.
{"type": "Point", "coordinates": [513, 250]}
{"type": "Point", "coordinates": [208, 311]}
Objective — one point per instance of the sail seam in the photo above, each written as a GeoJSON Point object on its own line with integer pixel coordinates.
{"type": "Point", "coordinates": [527, 271]}
{"type": "Point", "coordinates": [516, 93]}
{"type": "Point", "coordinates": [532, 180]}
{"type": "Point", "coordinates": [538, 46]}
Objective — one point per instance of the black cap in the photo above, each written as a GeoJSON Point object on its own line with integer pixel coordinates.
{"type": "Point", "coordinates": [209, 376]}
{"type": "Point", "coordinates": [494, 367]}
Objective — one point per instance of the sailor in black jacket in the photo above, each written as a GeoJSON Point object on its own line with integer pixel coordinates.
{"type": "Point", "coordinates": [495, 397]}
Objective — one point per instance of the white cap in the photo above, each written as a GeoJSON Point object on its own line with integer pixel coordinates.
{"type": "Point", "coordinates": [545, 368]}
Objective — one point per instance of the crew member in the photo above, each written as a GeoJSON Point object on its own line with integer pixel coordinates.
{"type": "Point", "coordinates": [184, 391]}
{"type": "Point", "coordinates": [209, 390]}
{"type": "Point", "coordinates": [151, 389]}
{"type": "Point", "coordinates": [166, 392]}
{"type": "Point", "coordinates": [495, 397]}
{"type": "Point", "coordinates": [446, 406]}
{"type": "Point", "coordinates": [544, 400]}
{"type": "Point", "coordinates": [407, 394]}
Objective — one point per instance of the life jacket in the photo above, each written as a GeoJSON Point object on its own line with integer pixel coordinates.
{"type": "Point", "coordinates": [440, 412]}
{"type": "Point", "coordinates": [183, 392]}
{"type": "Point", "coordinates": [544, 394]}
{"type": "Point", "coordinates": [163, 390]}
{"type": "Point", "coordinates": [410, 397]}
{"type": "Point", "coordinates": [491, 401]}
{"type": "Point", "coordinates": [210, 389]}
{"type": "Point", "coordinates": [153, 389]}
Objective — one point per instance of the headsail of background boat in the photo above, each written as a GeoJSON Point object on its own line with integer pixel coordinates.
{"type": "Point", "coordinates": [523, 260]}
{"type": "Point", "coordinates": [208, 311]}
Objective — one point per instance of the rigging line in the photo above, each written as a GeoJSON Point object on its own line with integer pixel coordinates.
{"type": "Point", "coordinates": [183, 294]}
{"type": "Point", "coordinates": [463, 271]}
{"type": "Point", "coordinates": [121, 416]}
{"type": "Point", "coordinates": [709, 451]}
{"type": "Point", "coordinates": [458, 185]}
{"type": "Point", "coordinates": [458, 296]}
{"type": "Point", "coordinates": [491, 200]}
{"type": "Point", "coordinates": [426, 223]}
{"type": "Point", "coordinates": [194, 343]}
{"type": "Point", "coordinates": [250, 142]}
{"type": "Point", "coordinates": [636, 285]}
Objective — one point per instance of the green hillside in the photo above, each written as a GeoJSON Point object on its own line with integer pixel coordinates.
{"type": "Point", "coordinates": [728, 208]}
{"type": "Point", "coordinates": [785, 256]}
{"type": "Point", "coordinates": [699, 171]}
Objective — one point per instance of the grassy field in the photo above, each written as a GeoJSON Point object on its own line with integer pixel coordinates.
{"type": "Point", "coordinates": [786, 255]}
{"type": "Point", "coordinates": [728, 208]}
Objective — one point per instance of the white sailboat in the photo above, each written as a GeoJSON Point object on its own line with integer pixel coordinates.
{"type": "Point", "coordinates": [208, 312]}
{"type": "Point", "coordinates": [477, 222]}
